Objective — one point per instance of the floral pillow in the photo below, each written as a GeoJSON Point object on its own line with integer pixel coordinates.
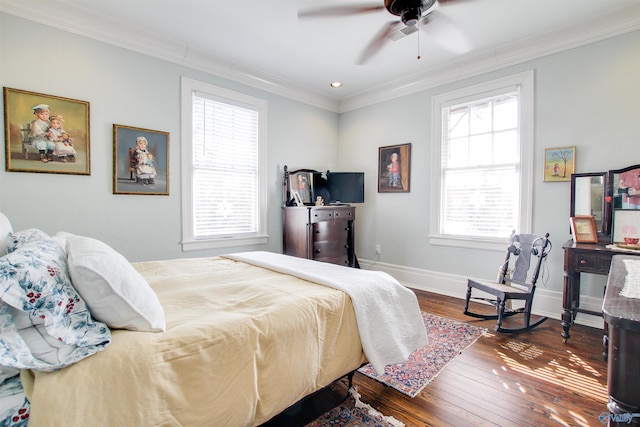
{"type": "Point", "coordinates": [41, 313]}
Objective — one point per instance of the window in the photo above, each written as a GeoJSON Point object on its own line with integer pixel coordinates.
{"type": "Point", "coordinates": [482, 163]}
{"type": "Point", "coordinates": [223, 153]}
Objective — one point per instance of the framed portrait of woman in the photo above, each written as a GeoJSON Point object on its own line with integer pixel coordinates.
{"type": "Point", "coordinates": [302, 183]}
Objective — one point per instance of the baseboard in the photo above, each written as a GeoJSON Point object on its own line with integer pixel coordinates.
{"type": "Point", "coordinates": [547, 302]}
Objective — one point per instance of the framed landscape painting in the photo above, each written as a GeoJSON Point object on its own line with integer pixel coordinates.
{"type": "Point", "coordinates": [559, 164]}
{"type": "Point", "coordinates": [46, 133]}
{"type": "Point", "coordinates": [140, 161]}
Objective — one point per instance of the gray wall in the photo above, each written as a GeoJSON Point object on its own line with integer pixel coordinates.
{"type": "Point", "coordinates": [588, 97]}
{"type": "Point", "coordinates": [130, 89]}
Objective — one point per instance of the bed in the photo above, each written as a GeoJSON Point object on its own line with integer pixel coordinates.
{"type": "Point", "coordinates": [220, 341]}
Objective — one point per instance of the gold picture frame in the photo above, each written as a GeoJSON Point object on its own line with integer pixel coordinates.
{"type": "Point", "coordinates": [394, 168]}
{"type": "Point", "coordinates": [46, 133]}
{"type": "Point", "coordinates": [140, 161]}
{"type": "Point", "coordinates": [559, 163]}
{"type": "Point", "coordinates": [583, 229]}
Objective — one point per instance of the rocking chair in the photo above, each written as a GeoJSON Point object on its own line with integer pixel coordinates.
{"type": "Point", "coordinates": [525, 250]}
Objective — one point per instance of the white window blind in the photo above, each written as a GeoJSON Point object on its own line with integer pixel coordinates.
{"type": "Point", "coordinates": [480, 167]}
{"type": "Point", "coordinates": [223, 161]}
{"type": "Point", "coordinates": [225, 167]}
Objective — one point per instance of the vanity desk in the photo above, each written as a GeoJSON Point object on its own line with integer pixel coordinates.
{"type": "Point", "coordinates": [594, 258]}
{"type": "Point", "coordinates": [612, 199]}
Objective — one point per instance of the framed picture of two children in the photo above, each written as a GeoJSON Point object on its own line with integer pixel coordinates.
{"type": "Point", "coordinates": [46, 133]}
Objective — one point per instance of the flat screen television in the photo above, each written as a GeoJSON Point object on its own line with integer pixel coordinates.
{"type": "Point", "coordinates": [344, 187]}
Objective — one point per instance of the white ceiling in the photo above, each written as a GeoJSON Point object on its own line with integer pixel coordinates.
{"type": "Point", "coordinates": [265, 44]}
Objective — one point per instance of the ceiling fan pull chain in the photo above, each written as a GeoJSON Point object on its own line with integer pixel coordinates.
{"type": "Point", "coordinates": [418, 46]}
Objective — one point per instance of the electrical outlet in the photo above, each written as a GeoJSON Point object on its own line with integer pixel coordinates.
{"type": "Point", "coordinates": [378, 249]}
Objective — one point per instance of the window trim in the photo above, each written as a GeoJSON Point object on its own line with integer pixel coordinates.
{"type": "Point", "coordinates": [525, 81]}
{"type": "Point", "coordinates": [189, 242]}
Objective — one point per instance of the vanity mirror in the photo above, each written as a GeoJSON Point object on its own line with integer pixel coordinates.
{"type": "Point", "coordinates": [624, 191]}
{"type": "Point", "coordinates": [625, 187]}
{"type": "Point", "coordinates": [588, 192]}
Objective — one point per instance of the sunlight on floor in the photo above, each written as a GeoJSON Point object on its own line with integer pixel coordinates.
{"type": "Point", "coordinates": [578, 419]}
{"type": "Point", "coordinates": [577, 376]}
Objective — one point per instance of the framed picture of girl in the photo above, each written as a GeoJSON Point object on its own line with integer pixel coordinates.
{"type": "Point", "coordinates": [559, 164]}
{"type": "Point", "coordinates": [140, 161]}
{"type": "Point", "coordinates": [394, 168]}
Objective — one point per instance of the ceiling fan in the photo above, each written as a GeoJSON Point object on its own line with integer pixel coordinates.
{"type": "Point", "coordinates": [413, 14]}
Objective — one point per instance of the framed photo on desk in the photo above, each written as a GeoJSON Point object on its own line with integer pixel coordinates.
{"type": "Point", "coordinates": [626, 225]}
{"type": "Point", "coordinates": [583, 229]}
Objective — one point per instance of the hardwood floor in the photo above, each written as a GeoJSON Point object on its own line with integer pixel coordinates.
{"type": "Point", "coordinates": [526, 379]}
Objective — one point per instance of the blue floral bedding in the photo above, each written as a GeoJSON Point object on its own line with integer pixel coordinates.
{"type": "Point", "coordinates": [14, 406]}
{"type": "Point", "coordinates": [44, 323]}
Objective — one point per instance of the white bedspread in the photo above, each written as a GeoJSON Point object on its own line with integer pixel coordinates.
{"type": "Point", "coordinates": [388, 314]}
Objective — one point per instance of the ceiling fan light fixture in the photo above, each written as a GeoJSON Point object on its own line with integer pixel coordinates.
{"type": "Point", "coordinates": [335, 85]}
{"type": "Point", "coordinates": [411, 16]}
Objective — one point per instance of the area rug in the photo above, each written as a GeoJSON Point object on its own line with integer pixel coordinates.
{"type": "Point", "coordinates": [447, 339]}
{"type": "Point", "coordinates": [354, 413]}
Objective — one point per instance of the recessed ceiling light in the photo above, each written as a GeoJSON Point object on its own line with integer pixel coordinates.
{"type": "Point", "coordinates": [335, 84]}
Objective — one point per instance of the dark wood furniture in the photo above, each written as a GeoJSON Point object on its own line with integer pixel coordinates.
{"type": "Point", "coordinates": [321, 233]}
{"type": "Point", "coordinates": [579, 258]}
{"type": "Point", "coordinates": [601, 195]}
{"type": "Point", "coordinates": [588, 192]}
{"type": "Point", "coordinates": [622, 316]}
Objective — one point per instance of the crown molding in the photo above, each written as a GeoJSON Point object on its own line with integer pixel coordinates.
{"type": "Point", "coordinates": [510, 54]}
{"type": "Point", "coordinates": [72, 20]}
{"type": "Point", "coordinates": [75, 21]}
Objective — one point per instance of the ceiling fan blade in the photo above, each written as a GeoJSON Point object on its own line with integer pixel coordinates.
{"type": "Point", "coordinates": [445, 32]}
{"type": "Point", "coordinates": [339, 11]}
{"type": "Point", "coordinates": [378, 41]}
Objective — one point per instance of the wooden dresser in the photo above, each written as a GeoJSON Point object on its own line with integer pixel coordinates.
{"type": "Point", "coordinates": [622, 317]}
{"type": "Point", "coordinates": [321, 233]}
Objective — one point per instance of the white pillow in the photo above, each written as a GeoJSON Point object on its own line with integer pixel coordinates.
{"type": "Point", "coordinates": [114, 291]}
{"type": "Point", "coordinates": [61, 239]}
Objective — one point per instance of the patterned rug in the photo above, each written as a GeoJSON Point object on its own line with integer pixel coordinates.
{"type": "Point", "coordinates": [353, 413]}
{"type": "Point", "coordinates": [447, 339]}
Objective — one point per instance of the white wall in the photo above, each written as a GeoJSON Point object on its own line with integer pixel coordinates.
{"type": "Point", "coordinates": [130, 89]}
{"type": "Point", "coordinates": [588, 97]}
